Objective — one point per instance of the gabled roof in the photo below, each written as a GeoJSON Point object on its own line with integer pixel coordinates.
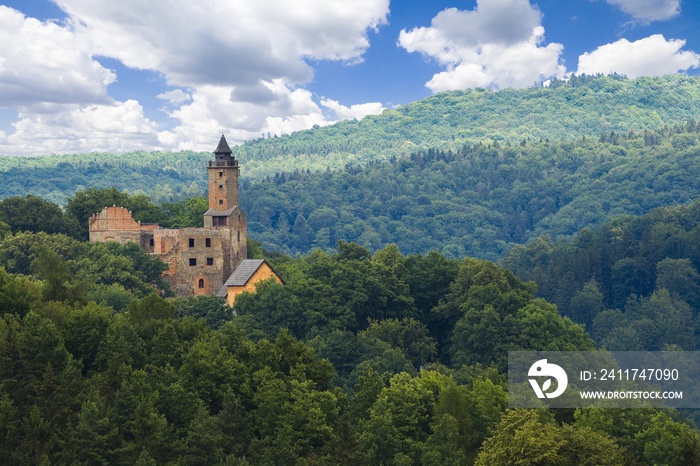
{"type": "Point", "coordinates": [223, 147]}
{"type": "Point", "coordinates": [242, 274]}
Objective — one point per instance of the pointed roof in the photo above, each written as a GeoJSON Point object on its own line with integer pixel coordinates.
{"type": "Point", "coordinates": [223, 148]}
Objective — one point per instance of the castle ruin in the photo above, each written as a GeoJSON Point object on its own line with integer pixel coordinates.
{"type": "Point", "coordinates": [199, 260]}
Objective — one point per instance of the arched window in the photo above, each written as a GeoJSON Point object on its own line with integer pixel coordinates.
{"type": "Point", "coordinates": [201, 285]}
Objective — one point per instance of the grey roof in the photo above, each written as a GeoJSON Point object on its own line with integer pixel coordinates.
{"type": "Point", "coordinates": [221, 213]}
{"type": "Point", "coordinates": [223, 147]}
{"type": "Point", "coordinates": [243, 272]}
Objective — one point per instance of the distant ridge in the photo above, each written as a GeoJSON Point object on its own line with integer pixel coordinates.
{"type": "Point", "coordinates": [585, 106]}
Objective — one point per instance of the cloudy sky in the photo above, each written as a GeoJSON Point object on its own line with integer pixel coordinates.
{"type": "Point", "coordinates": [104, 75]}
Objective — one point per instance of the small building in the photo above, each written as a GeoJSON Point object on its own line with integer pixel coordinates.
{"type": "Point", "coordinates": [245, 278]}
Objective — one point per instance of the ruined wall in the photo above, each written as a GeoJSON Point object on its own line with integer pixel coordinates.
{"type": "Point", "coordinates": [114, 224]}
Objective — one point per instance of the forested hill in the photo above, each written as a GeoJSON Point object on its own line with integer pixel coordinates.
{"type": "Point", "coordinates": [633, 281]}
{"type": "Point", "coordinates": [481, 200]}
{"type": "Point", "coordinates": [585, 106]}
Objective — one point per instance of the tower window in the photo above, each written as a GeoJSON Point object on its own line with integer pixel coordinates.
{"type": "Point", "coordinates": [207, 242]}
{"type": "Point", "coordinates": [193, 261]}
{"type": "Point", "coordinates": [151, 242]}
{"type": "Point", "coordinates": [221, 173]}
{"type": "Point", "coordinates": [210, 261]}
{"type": "Point", "coordinates": [221, 201]}
{"type": "Point", "coordinates": [221, 186]}
{"type": "Point", "coordinates": [239, 236]}
{"type": "Point", "coordinates": [201, 283]}
{"type": "Point", "coordinates": [191, 242]}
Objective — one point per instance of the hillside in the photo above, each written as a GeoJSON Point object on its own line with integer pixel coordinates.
{"type": "Point", "coordinates": [480, 201]}
{"type": "Point", "coordinates": [586, 106]}
{"type": "Point", "coordinates": [633, 281]}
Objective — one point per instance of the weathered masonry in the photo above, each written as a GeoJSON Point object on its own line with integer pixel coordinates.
{"type": "Point", "coordinates": [199, 259]}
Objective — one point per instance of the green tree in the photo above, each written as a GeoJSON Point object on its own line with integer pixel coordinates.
{"type": "Point", "coordinates": [84, 330]}
{"type": "Point", "coordinates": [398, 421]}
{"type": "Point", "coordinates": [681, 279]}
{"type": "Point", "coordinates": [18, 294]}
{"type": "Point", "coordinates": [408, 335]}
{"type": "Point", "coordinates": [34, 214]}
{"type": "Point", "coordinates": [96, 438]}
{"type": "Point", "coordinates": [59, 283]}
{"type": "Point", "coordinates": [213, 310]}
{"type": "Point", "coordinates": [586, 304]}
{"type": "Point", "coordinates": [529, 437]}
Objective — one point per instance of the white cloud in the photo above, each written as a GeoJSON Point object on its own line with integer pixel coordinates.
{"type": "Point", "coordinates": [227, 42]}
{"type": "Point", "coordinates": [60, 92]}
{"type": "Point", "coordinates": [647, 11]}
{"type": "Point", "coordinates": [651, 56]}
{"type": "Point", "coordinates": [241, 62]}
{"type": "Point", "coordinates": [44, 62]}
{"type": "Point", "coordinates": [212, 111]}
{"type": "Point", "coordinates": [357, 111]}
{"type": "Point", "coordinates": [175, 97]}
{"type": "Point", "coordinates": [69, 128]}
{"type": "Point", "coordinates": [498, 44]}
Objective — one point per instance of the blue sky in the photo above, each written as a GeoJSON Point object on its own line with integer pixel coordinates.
{"type": "Point", "coordinates": [99, 75]}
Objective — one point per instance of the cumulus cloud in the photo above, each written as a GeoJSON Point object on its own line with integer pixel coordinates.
{"type": "Point", "coordinates": [498, 44]}
{"type": "Point", "coordinates": [227, 42]}
{"type": "Point", "coordinates": [67, 128]}
{"type": "Point", "coordinates": [651, 56]}
{"type": "Point", "coordinates": [175, 97]}
{"type": "Point", "coordinates": [44, 62]}
{"type": "Point", "coordinates": [241, 63]}
{"type": "Point", "coordinates": [59, 90]}
{"type": "Point", "coordinates": [647, 11]}
{"type": "Point", "coordinates": [357, 111]}
{"type": "Point", "coordinates": [213, 111]}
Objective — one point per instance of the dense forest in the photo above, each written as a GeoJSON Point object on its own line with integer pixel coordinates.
{"type": "Point", "coordinates": [633, 281]}
{"type": "Point", "coordinates": [564, 111]}
{"type": "Point", "coordinates": [359, 359]}
{"type": "Point", "coordinates": [481, 200]}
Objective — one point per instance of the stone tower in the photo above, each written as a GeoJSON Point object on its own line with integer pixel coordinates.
{"type": "Point", "coordinates": [224, 213]}
{"type": "Point", "coordinates": [223, 178]}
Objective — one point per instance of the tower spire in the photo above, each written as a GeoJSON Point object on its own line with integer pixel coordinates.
{"type": "Point", "coordinates": [223, 148]}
